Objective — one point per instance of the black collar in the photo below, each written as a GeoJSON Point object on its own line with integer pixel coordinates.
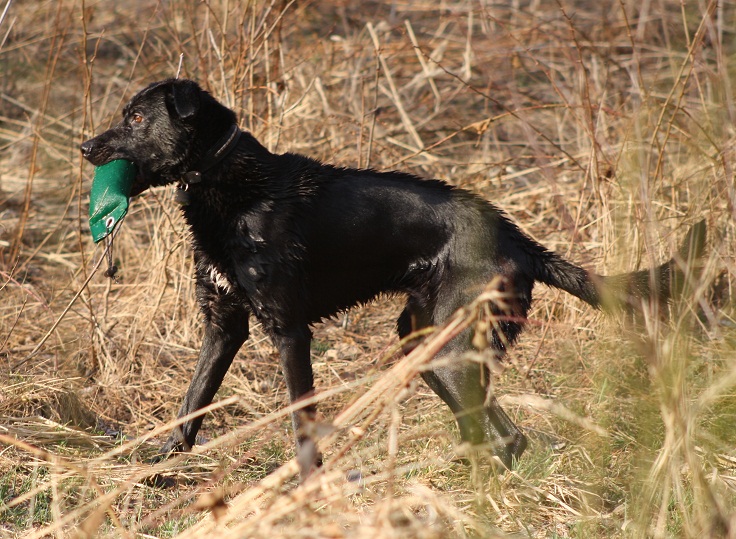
{"type": "Point", "coordinates": [217, 153]}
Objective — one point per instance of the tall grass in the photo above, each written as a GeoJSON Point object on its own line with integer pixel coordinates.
{"type": "Point", "coordinates": [605, 129]}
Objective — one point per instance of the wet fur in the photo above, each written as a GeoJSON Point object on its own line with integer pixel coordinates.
{"type": "Point", "coordinates": [292, 241]}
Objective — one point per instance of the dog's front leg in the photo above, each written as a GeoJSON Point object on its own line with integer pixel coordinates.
{"type": "Point", "coordinates": [296, 364]}
{"type": "Point", "coordinates": [226, 329]}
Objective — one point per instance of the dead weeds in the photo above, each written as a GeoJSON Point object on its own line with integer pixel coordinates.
{"type": "Point", "coordinates": [604, 129]}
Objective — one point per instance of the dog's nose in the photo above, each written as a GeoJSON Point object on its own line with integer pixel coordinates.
{"type": "Point", "coordinates": [86, 148]}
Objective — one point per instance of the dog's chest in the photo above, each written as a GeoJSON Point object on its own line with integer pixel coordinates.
{"type": "Point", "coordinates": [234, 266]}
{"type": "Point", "coordinates": [237, 256]}
{"type": "Point", "coordinates": [256, 256]}
{"type": "Point", "coordinates": [219, 280]}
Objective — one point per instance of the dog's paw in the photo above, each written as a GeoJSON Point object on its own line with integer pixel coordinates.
{"type": "Point", "coordinates": [158, 457]}
{"type": "Point", "coordinates": [308, 457]}
{"type": "Point", "coordinates": [173, 446]}
{"type": "Point", "coordinates": [169, 449]}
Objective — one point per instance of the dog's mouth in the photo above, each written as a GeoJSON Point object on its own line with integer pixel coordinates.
{"type": "Point", "coordinates": [144, 178]}
{"type": "Point", "coordinates": [139, 183]}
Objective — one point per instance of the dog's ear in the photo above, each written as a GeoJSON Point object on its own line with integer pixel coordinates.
{"type": "Point", "coordinates": [185, 96]}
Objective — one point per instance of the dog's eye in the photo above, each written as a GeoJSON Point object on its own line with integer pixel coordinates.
{"type": "Point", "coordinates": [136, 119]}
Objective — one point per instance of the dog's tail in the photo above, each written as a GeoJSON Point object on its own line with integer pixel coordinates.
{"type": "Point", "coordinates": [626, 290]}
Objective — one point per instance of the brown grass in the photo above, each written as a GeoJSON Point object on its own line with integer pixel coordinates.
{"type": "Point", "coordinates": [605, 129]}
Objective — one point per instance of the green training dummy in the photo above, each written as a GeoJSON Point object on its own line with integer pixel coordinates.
{"type": "Point", "coordinates": [108, 198]}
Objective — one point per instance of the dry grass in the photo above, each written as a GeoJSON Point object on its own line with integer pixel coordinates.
{"type": "Point", "coordinates": [604, 128]}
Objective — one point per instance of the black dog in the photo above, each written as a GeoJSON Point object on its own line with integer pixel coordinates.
{"type": "Point", "coordinates": [293, 241]}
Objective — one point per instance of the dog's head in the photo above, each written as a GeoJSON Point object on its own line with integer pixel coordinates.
{"type": "Point", "coordinates": [166, 129]}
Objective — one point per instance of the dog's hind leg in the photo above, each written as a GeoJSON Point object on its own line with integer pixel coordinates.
{"type": "Point", "coordinates": [464, 386]}
{"type": "Point", "coordinates": [226, 329]}
{"type": "Point", "coordinates": [413, 318]}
